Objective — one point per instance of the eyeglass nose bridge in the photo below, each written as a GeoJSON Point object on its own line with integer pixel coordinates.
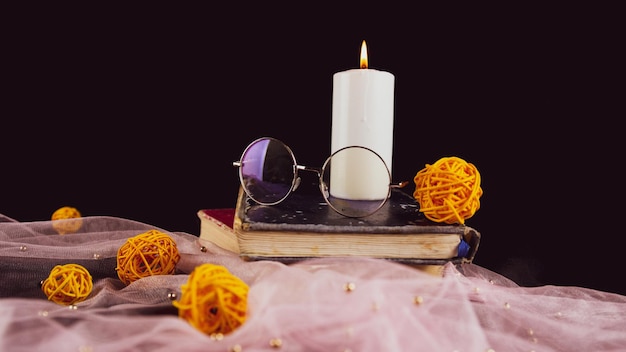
{"type": "Point", "coordinates": [317, 171]}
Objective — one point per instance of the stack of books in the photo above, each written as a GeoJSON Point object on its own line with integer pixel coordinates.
{"type": "Point", "coordinates": [303, 226]}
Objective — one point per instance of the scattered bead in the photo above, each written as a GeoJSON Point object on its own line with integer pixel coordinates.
{"type": "Point", "coordinates": [96, 256]}
{"type": "Point", "coordinates": [43, 313]}
{"type": "Point", "coordinates": [276, 342]}
{"type": "Point", "coordinates": [72, 307]}
{"type": "Point", "coordinates": [349, 287]}
{"type": "Point", "coordinates": [23, 248]}
{"type": "Point", "coordinates": [218, 336]}
{"type": "Point", "coordinates": [418, 300]}
{"type": "Point", "coordinates": [203, 249]}
{"type": "Point", "coordinates": [172, 296]}
{"type": "Point", "coordinates": [236, 348]}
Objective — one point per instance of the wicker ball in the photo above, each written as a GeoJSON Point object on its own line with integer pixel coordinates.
{"type": "Point", "coordinates": [66, 220]}
{"type": "Point", "coordinates": [67, 284]}
{"type": "Point", "coordinates": [449, 190]}
{"type": "Point", "coordinates": [213, 300]}
{"type": "Point", "coordinates": [149, 253]}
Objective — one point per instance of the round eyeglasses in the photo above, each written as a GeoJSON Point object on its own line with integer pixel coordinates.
{"type": "Point", "coordinates": [354, 181]}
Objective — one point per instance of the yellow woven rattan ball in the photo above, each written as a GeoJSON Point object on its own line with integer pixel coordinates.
{"type": "Point", "coordinates": [66, 220]}
{"type": "Point", "coordinates": [149, 253]}
{"type": "Point", "coordinates": [67, 284]}
{"type": "Point", "coordinates": [213, 300]}
{"type": "Point", "coordinates": [449, 190]}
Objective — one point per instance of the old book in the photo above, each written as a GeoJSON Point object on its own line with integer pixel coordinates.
{"type": "Point", "coordinates": [216, 226]}
{"type": "Point", "coordinates": [303, 226]}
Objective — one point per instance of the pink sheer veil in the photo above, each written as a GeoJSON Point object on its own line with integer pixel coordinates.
{"type": "Point", "coordinates": [325, 304]}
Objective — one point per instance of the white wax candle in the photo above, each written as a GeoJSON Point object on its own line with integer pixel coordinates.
{"type": "Point", "coordinates": [362, 115]}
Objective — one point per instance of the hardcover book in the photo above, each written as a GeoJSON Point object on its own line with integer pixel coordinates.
{"type": "Point", "coordinates": [304, 226]}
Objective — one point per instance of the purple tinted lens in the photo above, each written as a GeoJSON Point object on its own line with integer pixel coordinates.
{"type": "Point", "coordinates": [267, 171]}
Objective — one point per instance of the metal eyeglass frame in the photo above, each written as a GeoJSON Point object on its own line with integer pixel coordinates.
{"type": "Point", "coordinates": [343, 207]}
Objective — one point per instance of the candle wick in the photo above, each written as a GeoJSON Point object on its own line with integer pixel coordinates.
{"type": "Point", "coordinates": [363, 65]}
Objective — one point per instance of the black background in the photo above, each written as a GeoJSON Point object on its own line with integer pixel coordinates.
{"type": "Point", "coordinates": [138, 112]}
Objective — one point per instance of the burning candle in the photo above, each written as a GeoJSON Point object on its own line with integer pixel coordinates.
{"type": "Point", "coordinates": [362, 115]}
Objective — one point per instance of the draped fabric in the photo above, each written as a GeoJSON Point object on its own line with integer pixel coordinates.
{"type": "Point", "coordinates": [325, 304]}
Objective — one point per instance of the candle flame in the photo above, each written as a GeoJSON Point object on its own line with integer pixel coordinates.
{"type": "Point", "coordinates": [363, 62]}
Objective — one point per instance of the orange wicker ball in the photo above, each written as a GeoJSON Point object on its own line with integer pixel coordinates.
{"type": "Point", "coordinates": [66, 220]}
{"type": "Point", "coordinates": [149, 253]}
{"type": "Point", "coordinates": [67, 284]}
{"type": "Point", "coordinates": [213, 300]}
{"type": "Point", "coordinates": [449, 190]}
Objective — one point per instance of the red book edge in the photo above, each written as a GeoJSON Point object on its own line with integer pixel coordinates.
{"type": "Point", "coordinates": [224, 215]}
